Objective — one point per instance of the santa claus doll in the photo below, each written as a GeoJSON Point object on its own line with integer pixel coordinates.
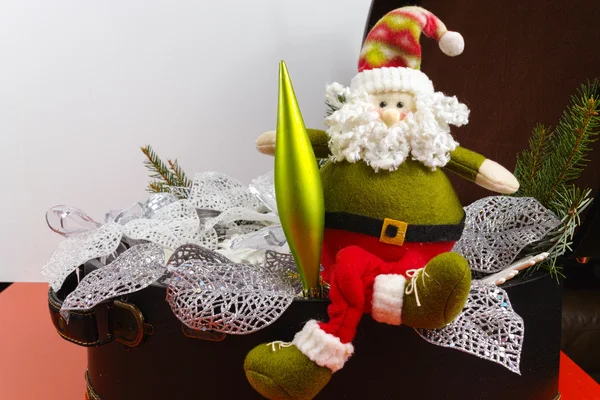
{"type": "Point", "coordinates": [392, 215]}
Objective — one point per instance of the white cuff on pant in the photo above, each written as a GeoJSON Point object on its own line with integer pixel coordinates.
{"type": "Point", "coordinates": [388, 292]}
{"type": "Point", "coordinates": [321, 347]}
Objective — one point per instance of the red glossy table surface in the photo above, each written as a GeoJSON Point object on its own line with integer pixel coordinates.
{"type": "Point", "coordinates": [35, 363]}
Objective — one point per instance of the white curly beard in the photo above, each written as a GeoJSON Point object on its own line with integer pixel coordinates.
{"type": "Point", "coordinates": [357, 133]}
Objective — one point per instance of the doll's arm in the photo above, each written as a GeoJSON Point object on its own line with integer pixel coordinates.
{"type": "Point", "coordinates": [265, 143]}
{"type": "Point", "coordinates": [484, 172]}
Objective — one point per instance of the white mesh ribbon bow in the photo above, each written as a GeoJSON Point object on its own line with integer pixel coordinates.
{"type": "Point", "coordinates": [233, 209]}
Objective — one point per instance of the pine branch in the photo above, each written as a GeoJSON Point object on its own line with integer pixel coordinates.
{"type": "Point", "coordinates": [157, 187]}
{"type": "Point", "coordinates": [529, 162]}
{"type": "Point", "coordinates": [571, 202]}
{"type": "Point", "coordinates": [574, 134]}
{"type": "Point", "coordinates": [330, 109]}
{"type": "Point", "coordinates": [158, 169]}
{"type": "Point", "coordinates": [182, 179]}
{"type": "Point", "coordinates": [334, 104]}
{"type": "Point", "coordinates": [166, 176]}
{"type": "Point", "coordinates": [553, 161]}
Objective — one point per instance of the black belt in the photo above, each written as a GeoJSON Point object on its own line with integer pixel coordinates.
{"type": "Point", "coordinates": [392, 231]}
{"type": "Point", "coordinates": [112, 320]}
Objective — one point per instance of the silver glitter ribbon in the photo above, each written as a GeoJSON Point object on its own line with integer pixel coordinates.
{"type": "Point", "coordinates": [497, 229]}
{"type": "Point", "coordinates": [284, 266]}
{"type": "Point", "coordinates": [487, 328]}
{"type": "Point", "coordinates": [210, 295]}
{"type": "Point", "coordinates": [194, 252]}
{"type": "Point", "coordinates": [134, 270]}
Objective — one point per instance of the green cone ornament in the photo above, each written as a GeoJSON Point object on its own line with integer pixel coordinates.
{"type": "Point", "coordinates": [298, 187]}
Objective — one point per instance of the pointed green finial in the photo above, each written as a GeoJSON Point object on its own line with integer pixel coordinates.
{"type": "Point", "coordinates": [298, 187]}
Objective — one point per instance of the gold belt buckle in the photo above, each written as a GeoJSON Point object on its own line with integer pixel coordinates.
{"type": "Point", "coordinates": [393, 232]}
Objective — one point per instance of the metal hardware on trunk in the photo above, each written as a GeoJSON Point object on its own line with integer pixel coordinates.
{"type": "Point", "coordinates": [126, 332]}
{"type": "Point", "coordinates": [202, 335]}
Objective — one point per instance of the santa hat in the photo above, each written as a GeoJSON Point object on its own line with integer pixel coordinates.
{"type": "Point", "coordinates": [391, 55]}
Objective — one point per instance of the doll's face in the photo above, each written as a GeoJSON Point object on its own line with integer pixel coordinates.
{"type": "Point", "coordinates": [393, 106]}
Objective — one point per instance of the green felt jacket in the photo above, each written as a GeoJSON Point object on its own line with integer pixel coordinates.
{"type": "Point", "coordinates": [413, 193]}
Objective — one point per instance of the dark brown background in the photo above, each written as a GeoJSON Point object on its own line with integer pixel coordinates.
{"type": "Point", "coordinates": [522, 62]}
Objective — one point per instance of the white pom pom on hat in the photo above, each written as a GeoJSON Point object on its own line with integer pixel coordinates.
{"type": "Point", "coordinates": [390, 58]}
{"type": "Point", "coordinates": [452, 43]}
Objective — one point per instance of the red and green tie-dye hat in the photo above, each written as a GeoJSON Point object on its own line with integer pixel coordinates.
{"type": "Point", "coordinates": [391, 55]}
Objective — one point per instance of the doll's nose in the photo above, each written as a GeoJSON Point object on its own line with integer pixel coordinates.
{"type": "Point", "coordinates": [390, 117]}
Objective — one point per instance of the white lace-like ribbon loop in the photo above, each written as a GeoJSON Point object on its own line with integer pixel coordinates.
{"type": "Point", "coordinates": [162, 219]}
{"type": "Point", "coordinates": [78, 249]}
{"type": "Point", "coordinates": [218, 191]}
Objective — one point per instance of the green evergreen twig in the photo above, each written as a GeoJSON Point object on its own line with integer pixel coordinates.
{"type": "Point", "coordinates": [530, 162]}
{"type": "Point", "coordinates": [157, 187]}
{"type": "Point", "coordinates": [571, 203]}
{"type": "Point", "coordinates": [331, 108]}
{"type": "Point", "coordinates": [553, 161]}
{"type": "Point", "coordinates": [165, 175]}
{"type": "Point", "coordinates": [182, 179]}
{"type": "Point", "coordinates": [574, 134]}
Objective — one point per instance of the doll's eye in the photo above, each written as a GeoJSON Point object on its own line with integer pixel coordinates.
{"type": "Point", "coordinates": [382, 104]}
{"type": "Point", "coordinates": [400, 104]}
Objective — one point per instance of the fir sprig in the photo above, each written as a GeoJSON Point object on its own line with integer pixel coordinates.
{"type": "Point", "coordinates": [563, 152]}
{"type": "Point", "coordinates": [165, 175]}
{"type": "Point", "coordinates": [157, 187]}
{"type": "Point", "coordinates": [529, 163]}
{"type": "Point", "coordinates": [554, 160]}
{"type": "Point", "coordinates": [181, 177]}
{"type": "Point", "coordinates": [571, 203]}
{"type": "Point", "coordinates": [334, 105]}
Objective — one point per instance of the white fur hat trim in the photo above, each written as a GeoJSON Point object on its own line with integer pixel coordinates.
{"type": "Point", "coordinates": [394, 79]}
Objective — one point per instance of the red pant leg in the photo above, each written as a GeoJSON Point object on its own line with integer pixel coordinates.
{"type": "Point", "coordinates": [352, 278]}
{"type": "Point", "coordinates": [354, 271]}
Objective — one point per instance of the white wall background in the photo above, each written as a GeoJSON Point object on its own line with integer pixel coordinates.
{"type": "Point", "coordinates": [83, 84]}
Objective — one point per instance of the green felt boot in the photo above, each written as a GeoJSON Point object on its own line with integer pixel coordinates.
{"type": "Point", "coordinates": [279, 371]}
{"type": "Point", "coordinates": [441, 288]}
